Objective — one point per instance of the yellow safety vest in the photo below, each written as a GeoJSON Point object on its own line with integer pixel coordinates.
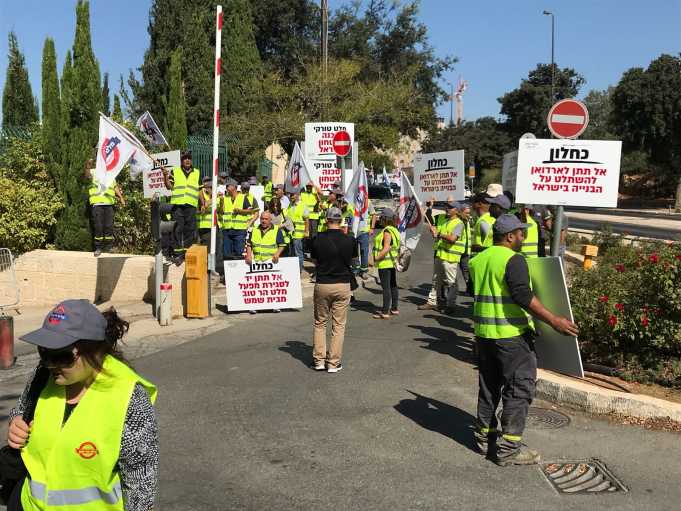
{"type": "Point", "coordinates": [439, 221]}
{"type": "Point", "coordinates": [267, 192]}
{"type": "Point", "coordinates": [296, 214]}
{"type": "Point", "coordinates": [231, 220]}
{"type": "Point", "coordinates": [477, 233]}
{"type": "Point", "coordinates": [530, 247]}
{"type": "Point", "coordinates": [389, 260]}
{"type": "Point", "coordinates": [310, 200]}
{"type": "Point", "coordinates": [185, 188]}
{"type": "Point", "coordinates": [321, 226]}
{"type": "Point", "coordinates": [205, 220]}
{"type": "Point", "coordinates": [495, 314]}
{"type": "Point", "coordinates": [107, 197]}
{"type": "Point", "coordinates": [264, 246]}
{"type": "Point", "coordinates": [347, 217]}
{"type": "Point", "coordinates": [240, 221]}
{"type": "Point", "coordinates": [73, 466]}
{"type": "Point", "coordinates": [448, 251]}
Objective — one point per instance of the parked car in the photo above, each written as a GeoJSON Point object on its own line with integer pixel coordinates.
{"type": "Point", "coordinates": [395, 189]}
{"type": "Point", "coordinates": [382, 197]}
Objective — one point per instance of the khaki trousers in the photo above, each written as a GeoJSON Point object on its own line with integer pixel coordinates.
{"type": "Point", "coordinates": [444, 281]}
{"type": "Point", "coordinates": [330, 300]}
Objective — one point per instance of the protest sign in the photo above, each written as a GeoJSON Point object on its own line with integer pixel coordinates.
{"type": "Point", "coordinates": [509, 171]}
{"type": "Point", "coordinates": [556, 352]}
{"type": "Point", "coordinates": [319, 139]}
{"type": "Point", "coordinates": [263, 285]}
{"type": "Point", "coordinates": [325, 172]}
{"type": "Point", "coordinates": [439, 175]}
{"type": "Point", "coordinates": [152, 180]}
{"type": "Point", "coordinates": [568, 172]}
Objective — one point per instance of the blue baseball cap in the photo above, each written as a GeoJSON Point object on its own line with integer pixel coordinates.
{"type": "Point", "coordinates": [500, 200]}
{"type": "Point", "coordinates": [453, 205]}
{"type": "Point", "coordinates": [508, 223]}
{"type": "Point", "coordinates": [68, 322]}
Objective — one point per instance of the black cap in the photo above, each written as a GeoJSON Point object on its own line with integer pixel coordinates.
{"type": "Point", "coordinates": [185, 155]}
{"type": "Point", "coordinates": [508, 223]}
{"type": "Point", "coordinates": [500, 200]}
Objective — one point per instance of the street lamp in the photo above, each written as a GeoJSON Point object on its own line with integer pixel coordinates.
{"type": "Point", "coordinates": [553, 72]}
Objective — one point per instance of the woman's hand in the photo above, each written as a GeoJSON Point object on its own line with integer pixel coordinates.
{"type": "Point", "coordinates": [18, 433]}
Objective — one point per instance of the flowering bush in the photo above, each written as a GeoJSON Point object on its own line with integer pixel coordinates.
{"type": "Point", "coordinates": [628, 308]}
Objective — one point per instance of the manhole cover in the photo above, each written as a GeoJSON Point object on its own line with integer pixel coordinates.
{"type": "Point", "coordinates": [582, 476]}
{"type": "Point", "coordinates": [543, 418]}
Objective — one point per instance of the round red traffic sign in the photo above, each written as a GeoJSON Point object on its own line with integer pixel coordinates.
{"type": "Point", "coordinates": [341, 143]}
{"type": "Point", "coordinates": [568, 118]}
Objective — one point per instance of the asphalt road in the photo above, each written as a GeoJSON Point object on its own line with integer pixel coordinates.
{"type": "Point", "coordinates": [647, 231]}
{"type": "Point", "coordinates": [245, 425]}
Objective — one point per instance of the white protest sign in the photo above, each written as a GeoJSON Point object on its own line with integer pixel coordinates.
{"type": "Point", "coordinates": [263, 285]}
{"type": "Point", "coordinates": [509, 171]}
{"type": "Point", "coordinates": [319, 139]}
{"type": "Point", "coordinates": [568, 172]}
{"type": "Point", "coordinates": [152, 180]}
{"type": "Point", "coordinates": [439, 175]}
{"type": "Point", "coordinates": [326, 172]}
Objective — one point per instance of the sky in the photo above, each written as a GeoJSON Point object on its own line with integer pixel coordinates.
{"type": "Point", "coordinates": [497, 42]}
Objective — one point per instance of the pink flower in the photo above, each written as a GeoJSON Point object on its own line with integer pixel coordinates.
{"type": "Point", "coordinates": [619, 307]}
{"type": "Point", "coordinates": [603, 299]}
{"type": "Point", "coordinates": [612, 321]}
{"type": "Point", "coordinates": [619, 268]}
{"type": "Point", "coordinates": [653, 258]}
{"type": "Point", "coordinates": [644, 321]}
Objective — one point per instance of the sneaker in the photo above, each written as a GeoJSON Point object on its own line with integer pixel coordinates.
{"type": "Point", "coordinates": [98, 252]}
{"type": "Point", "coordinates": [318, 366]}
{"type": "Point", "coordinates": [427, 307]}
{"type": "Point", "coordinates": [336, 369]}
{"type": "Point", "coordinates": [521, 456]}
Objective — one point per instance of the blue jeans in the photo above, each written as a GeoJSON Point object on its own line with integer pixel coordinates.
{"type": "Point", "coordinates": [363, 240]}
{"type": "Point", "coordinates": [297, 251]}
{"type": "Point", "coordinates": [233, 243]}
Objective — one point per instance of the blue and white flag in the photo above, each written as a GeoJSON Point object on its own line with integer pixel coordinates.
{"type": "Point", "coordinates": [148, 126]}
{"type": "Point", "coordinates": [386, 178]}
{"type": "Point", "coordinates": [357, 195]}
{"type": "Point", "coordinates": [410, 214]}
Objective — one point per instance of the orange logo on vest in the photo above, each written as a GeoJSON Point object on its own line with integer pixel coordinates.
{"type": "Point", "coordinates": [87, 450]}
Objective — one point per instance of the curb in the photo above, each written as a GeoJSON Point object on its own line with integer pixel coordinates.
{"type": "Point", "coordinates": [584, 396]}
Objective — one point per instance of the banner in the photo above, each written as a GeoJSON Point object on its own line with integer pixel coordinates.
{"type": "Point", "coordinates": [509, 172]}
{"type": "Point", "coordinates": [263, 285]}
{"type": "Point", "coordinates": [297, 173]}
{"type": "Point", "coordinates": [439, 176]}
{"type": "Point", "coordinates": [148, 126]}
{"type": "Point", "coordinates": [410, 215]}
{"type": "Point", "coordinates": [114, 149]}
{"type": "Point", "coordinates": [357, 195]}
{"type": "Point", "coordinates": [152, 179]}
{"type": "Point", "coordinates": [568, 172]}
{"type": "Point", "coordinates": [319, 139]}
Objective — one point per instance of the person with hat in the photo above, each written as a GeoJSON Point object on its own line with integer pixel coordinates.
{"type": "Point", "coordinates": [332, 252]}
{"type": "Point", "coordinates": [184, 183]}
{"type": "Point", "coordinates": [250, 210]}
{"type": "Point", "coordinates": [530, 248]}
{"type": "Point", "coordinates": [334, 199]}
{"type": "Point", "coordinates": [482, 229]}
{"type": "Point", "coordinates": [280, 194]}
{"type": "Point", "coordinates": [102, 201]}
{"type": "Point", "coordinates": [299, 215]}
{"type": "Point", "coordinates": [386, 251]}
{"type": "Point", "coordinates": [504, 330]}
{"type": "Point", "coordinates": [450, 248]}
{"type": "Point", "coordinates": [92, 442]}
{"type": "Point", "coordinates": [467, 240]}
{"type": "Point", "coordinates": [237, 213]}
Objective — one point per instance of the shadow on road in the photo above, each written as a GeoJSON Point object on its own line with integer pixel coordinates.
{"type": "Point", "coordinates": [422, 289]}
{"type": "Point", "coordinates": [363, 305]}
{"type": "Point", "coordinates": [298, 350]}
{"type": "Point", "coordinates": [439, 417]}
{"type": "Point", "coordinates": [445, 341]}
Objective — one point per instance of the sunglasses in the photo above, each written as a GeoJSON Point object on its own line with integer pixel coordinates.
{"type": "Point", "coordinates": [61, 358]}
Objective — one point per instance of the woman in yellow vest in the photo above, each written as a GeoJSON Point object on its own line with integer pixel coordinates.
{"type": "Point", "coordinates": [93, 442]}
{"type": "Point", "coordinates": [386, 251]}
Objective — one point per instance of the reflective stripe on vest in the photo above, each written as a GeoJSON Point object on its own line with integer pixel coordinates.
{"type": "Point", "coordinates": [295, 213]}
{"type": "Point", "coordinates": [73, 465]}
{"type": "Point", "coordinates": [477, 233]}
{"type": "Point", "coordinates": [310, 200]}
{"type": "Point", "coordinates": [264, 246]}
{"type": "Point", "coordinates": [267, 192]}
{"type": "Point", "coordinates": [495, 314]}
{"type": "Point", "coordinates": [240, 221]}
{"type": "Point", "coordinates": [389, 260]}
{"type": "Point", "coordinates": [530, 246]}
{"type": "Point", "coordinates": [448, 251]}
{"type": "Point", "coordinates": [230, 220]}
{"type": "Point", "coordinates": [97, 196]}
{"type": "Point", "coordinates": [185, 188]}
{"type": "Point", "coordinates": [205, 219]}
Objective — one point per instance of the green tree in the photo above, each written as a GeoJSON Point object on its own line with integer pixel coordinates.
{"type": "Point", "coordinates": [526, 107]}
{"type": "Point", "coordinates": [51, 126]}
{"type": "Point", "coordinates": [81, 101]}
{"type": "Point", "coordinates": [106, 96]}
{"type": "Point", "coordinates": [599, 105]}
{"type": "Point", "coordinates": [117, 113]}
{"type": "Point", "coordinates": [198, 66]}
{"type": "Point", "coordinates": [18, 104]}
{"type": "Point", "coordinates": [176, 117]}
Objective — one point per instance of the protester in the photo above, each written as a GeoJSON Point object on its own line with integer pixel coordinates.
{"type": "Point", "coordinates": [466, 239]}
{"type": "Point", "coordinates": [299, 214]}
{"type": "Point", "coordinates": [267, 189]}
{"type": "Point", "coordinates": [280, 194]}
{"type": "Point", "coordinates": [94, 438]}
{"type": "Point", "coordinates": [102, 202]}
{"type": "Point", "coordinates": [363, 234]}
{"type": "Point", "coordinates": [332, 252]}
{"type": "Point", "coordinates": [482, 230]}
{"type": "Point", "coordinates": [184, 184]}
{"type": "Point", "coordinates": [204, 216]}
{"type": "Point", "coordinates": [310, 197]}
{"type": "Point", "coordinates": [232, 244]}
{"type": "Point", "coordinates": [333, 200]}
{"type": "Point", "coordinates": [504, 335]}
{"type": "Point", "coordinates": [498, 205]}
{"type": "Point", "coordinates": [530, 248]}
{"type": "Point", "coordinates": [386, 251]}
{"type": "Point", "coordinates": [278, 219]}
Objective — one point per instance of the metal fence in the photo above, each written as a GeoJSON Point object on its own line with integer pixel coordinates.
{"type": "Point", "coordinates": [9, 288]}
{"type": "Point", "coordinates": [201, 147]}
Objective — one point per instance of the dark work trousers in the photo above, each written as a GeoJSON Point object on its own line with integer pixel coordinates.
{"type": "Point", "coordinates": [463, 275]}
{"type": "Point", "coordinates": [313, 224]}
{"type": "Point", "coordinates": [102, 222]}
{"type": "Point", "coordinates": [185, 228]}
{"type": "Point", "coordinates": [508, 373]}
{"type": "Point", "coordinates": [388, 277]}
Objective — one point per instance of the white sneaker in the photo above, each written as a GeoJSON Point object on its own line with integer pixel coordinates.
{"type": "Point", "coordinates": [336, 369]}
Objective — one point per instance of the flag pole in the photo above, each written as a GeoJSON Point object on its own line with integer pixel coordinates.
{"type": "Point", "coordinates": [216, 135]}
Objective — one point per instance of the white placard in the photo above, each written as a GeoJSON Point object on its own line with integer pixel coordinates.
{"type": "Point", "coordinates": [509, 171]}
{"type": "Point", "coordinates": [263, 285]}
{"type": "Point", "coordinates": [326, 172]}
{"type": "Point", "coordinates": [152, 180]}
{"type": "Point", "coordinates": [568, 172]}
{"type": "Point", "coordinates": [319, 139]}
{"type": "Point", "coordinates": [439, 176]}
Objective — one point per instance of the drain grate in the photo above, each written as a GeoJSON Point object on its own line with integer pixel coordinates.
{"type": "Point", "coordinates": [544, 418]}
{"type": "Point", "coordinates": [582, 476]}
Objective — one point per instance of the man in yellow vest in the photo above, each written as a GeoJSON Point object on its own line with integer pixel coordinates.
{"type": "Point", "coordinates": [467, 239]}
{"type": "Point", "coordinates": [204, 216]}
{"type": "Point", "coordinates": [268, 190]}
{"type": "Point", "coordinates": [482, 229]}
{"type": "Point", "coordinates": [102, 202]}
{"type": "Point", "coordinates": [235, 213]}
{"type": "Point", "coordinates": [184, 183]}
{"type": "Point", "coordinates": [299, 214]}
{"type": "Point", "coordinates": [504, 331]}
{"type": "Point", "coordinates": [530, 248]}
{"type": "Point", "coordinates": [310, 197]}
{"type": "Point", "coordinates": [450, 248]}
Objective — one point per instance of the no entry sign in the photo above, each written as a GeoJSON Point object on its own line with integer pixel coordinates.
{"type": "Point", "coordinates": [568, 118]}
{"type": "Point", "coordinates": [342, 143]}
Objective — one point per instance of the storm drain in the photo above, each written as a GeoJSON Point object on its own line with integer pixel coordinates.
{"type": "Point", "coordinates": [583, 476]}
{"type": "Point", "coordinates": [544, 418]}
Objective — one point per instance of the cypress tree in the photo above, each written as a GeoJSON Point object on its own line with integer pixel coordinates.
{"type": "Point", "coordinates": [51, 109]}
{"type": "Point", "coordinates": [176, 116]}
{"type": "Point", "coordinates": [81, 101]}
{"type": "Point", "coordinates": [198, 54]}
{"type": "Point", "coordinates": [117, 113]}
{"type": "Point", "coordinates": [106, 99]}
{"type": "Point", "coordinates": [18, 104]}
